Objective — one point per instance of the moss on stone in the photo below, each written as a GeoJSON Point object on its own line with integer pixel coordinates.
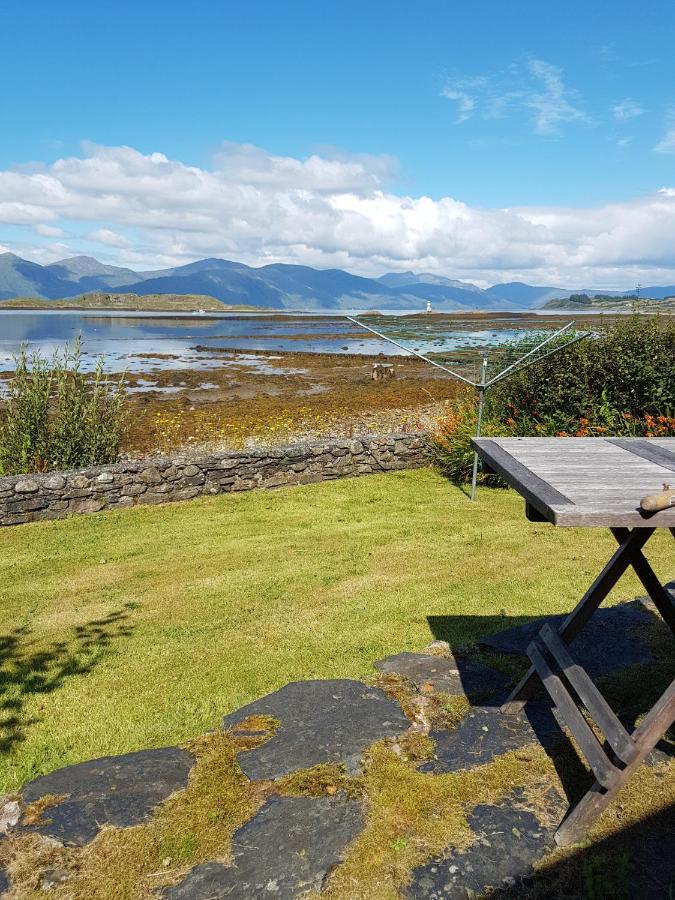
{"type": "Point", "coordinates": [253, 729]}
{"type": "Point", "coordinates": [412, 816]}
{"type": "Point", "coordinates": [451, 710]}
{"type": "Point", "coordinates": [322, 780]}
{"type": "Point", "coordinates": [194, 825]}
{"type": "Point", "coordinates": [34, 813]}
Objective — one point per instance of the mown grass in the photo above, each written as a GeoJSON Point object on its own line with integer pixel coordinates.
{"type": "Point", "coordinates": [143, 627]}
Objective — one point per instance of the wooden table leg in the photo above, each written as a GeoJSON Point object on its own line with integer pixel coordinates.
{"type": "Point", "coordinates": [629, 547]}
{"type": "Point", "coordinates": [646, 736]}
{"type": "Point", "coordinates": [659, 595]}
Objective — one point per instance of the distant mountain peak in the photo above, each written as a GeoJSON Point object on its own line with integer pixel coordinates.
{"type": "Point", "coordinates": [87, 265]}
{"type": "Point", "coordinates": [401, 279]}
{"type": "Point", "coordinates": [80, 258]}
{"type": "Point", "coordinates": [274, 285]}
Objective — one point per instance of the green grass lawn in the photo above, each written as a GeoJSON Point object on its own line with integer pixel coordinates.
{"type": "Point", "coordinates": [143, 627]}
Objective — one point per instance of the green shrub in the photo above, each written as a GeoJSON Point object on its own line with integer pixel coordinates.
{"type": "Point", "coordinates": [57, 417]}
{"type": "Point", "coordinates": [452, 444]}
{"type": "Point", "coordinates": [621, 381]}
{"type": "Point", "coordinates": [623, 375]}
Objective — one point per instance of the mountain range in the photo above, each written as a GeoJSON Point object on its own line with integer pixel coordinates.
{"type": "Point", "coordinates": [277, 286]}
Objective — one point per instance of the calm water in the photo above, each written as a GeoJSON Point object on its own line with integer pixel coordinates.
{"type": "Point", "coordinates": [141, 341]}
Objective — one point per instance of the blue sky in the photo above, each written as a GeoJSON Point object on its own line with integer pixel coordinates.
{"type": "Point", "coordinates": [492, 104]}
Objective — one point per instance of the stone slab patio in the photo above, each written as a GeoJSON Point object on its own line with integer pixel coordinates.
{"type": "Point", "coordinates": [287, 849]}
{"type": "Point", "coordinates": [314, 728]}
{"type": "Point", "coordinates": [292, 844]}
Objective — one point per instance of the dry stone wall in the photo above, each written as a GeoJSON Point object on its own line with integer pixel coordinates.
{"type": "Point", "coordinates": [163, 479]}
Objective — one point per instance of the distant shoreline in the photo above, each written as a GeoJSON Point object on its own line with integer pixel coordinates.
{"type": "Point", "coordinates": [206, 307]}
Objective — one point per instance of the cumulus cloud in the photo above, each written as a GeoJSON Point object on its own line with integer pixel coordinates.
{"type": "Point", "coordinates": [537, 89]}
{"type": "Point", "coordinates": [627, 109]}
{"type": "Point", "coordinates": [49, 231]}
{"type": "Point", "coordinates": [109, 238]}
{"type": "Point", "coordinates": [326, 210]}
{"type": "Point", "coordinates": [252, 165]}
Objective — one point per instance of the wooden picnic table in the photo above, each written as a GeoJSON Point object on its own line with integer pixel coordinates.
{"type": "Point", "coordinates": [592, 483]}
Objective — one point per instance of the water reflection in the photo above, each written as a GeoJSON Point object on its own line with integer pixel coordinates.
{"type": "Point", "coordinates": [138, 342]}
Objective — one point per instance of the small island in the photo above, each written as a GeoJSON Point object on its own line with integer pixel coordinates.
{"type": "Point", "coordinates": [132, 302]}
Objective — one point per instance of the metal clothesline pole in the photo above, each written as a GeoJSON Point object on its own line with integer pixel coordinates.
{"type": "Point", "coordinates": [483, 384]}
{"type": "Point", "coordinates": [479, 422]}
{"type": "Point", "coordinates": [414, 352]}
{"type": "Point", "coordinates": [531, 362]}
{"type": "Point", "coordinates": [548, 340]}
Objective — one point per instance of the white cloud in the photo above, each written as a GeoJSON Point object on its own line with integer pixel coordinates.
{"type": "Point", "coordinates": [465, 93]}
{"type": "Point", "coordinates": [465, 102]}
{"type": "Point", "coordinates": [553, 104]}
{"type": "Point", "coordinates": [50, 231]}
{"type": "Point", "coordinates": [340, 172]}
{"type": "Point", "coordinates": [667, 142]}
{"type": "Point", "coordinates": [109, 238]}
{"type": "Point", "coordinates": [627, 109]}
{"type": "Point", "coordinates": [324, 211]}
{"type": "Point", "coordinates": [537, 89]}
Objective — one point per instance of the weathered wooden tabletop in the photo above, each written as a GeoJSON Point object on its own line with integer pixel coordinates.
{"type": "Point", "coordinates": [588, 482]}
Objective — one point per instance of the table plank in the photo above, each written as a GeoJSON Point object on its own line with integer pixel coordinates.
{"type": "Point", "coordinates": [648, 450]}
{"type": "Point", "coordinates": [595, 482]}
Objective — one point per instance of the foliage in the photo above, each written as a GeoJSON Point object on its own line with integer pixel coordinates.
{"type": "Point", "coordinates": [452, 444]}
{"type": "Point", "coordinates": [621, 381]}
{"type": "Point", "coordinates": [57, 417]}
{"type": "Point", "coordinates": [624, 374]}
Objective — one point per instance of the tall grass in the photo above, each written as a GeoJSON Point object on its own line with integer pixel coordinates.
{"type": "Point", "coordinates": [58, 417]}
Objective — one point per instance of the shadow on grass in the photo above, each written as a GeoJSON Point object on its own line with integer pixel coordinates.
{"type": "Point", "coordinates": [29, 668]}
{"type": "Point", "coordinates": [460, 631]}
{"type": "Point", "coordinates": [635, 862]}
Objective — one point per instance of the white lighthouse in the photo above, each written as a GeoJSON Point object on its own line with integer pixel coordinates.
{"type": "Point", "coordinates": [429, 309]}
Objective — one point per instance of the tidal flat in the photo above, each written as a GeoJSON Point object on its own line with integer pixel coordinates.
{"type": "Point", "coordinates": [232, 380]}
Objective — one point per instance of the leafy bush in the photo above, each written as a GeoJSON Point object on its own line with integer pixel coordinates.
{"type": "Point", "coordinates": [621, 381]}
{"type": "Point", "coordinates": [452, 444]}
{"type": "Point", "coordinates": [56, 417]}
{"type": "Point", "coordinates": [616, 381]}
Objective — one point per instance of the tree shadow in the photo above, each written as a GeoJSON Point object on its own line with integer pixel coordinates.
{"type": "Point", "coordinates": [29, 667]}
